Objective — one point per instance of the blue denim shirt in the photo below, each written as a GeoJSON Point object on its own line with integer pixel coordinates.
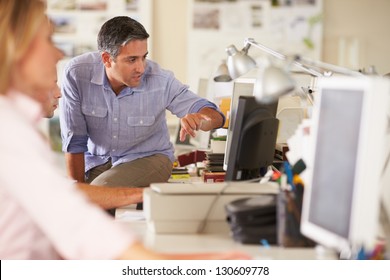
{"type": "Point", "coordinates": [102, 125]}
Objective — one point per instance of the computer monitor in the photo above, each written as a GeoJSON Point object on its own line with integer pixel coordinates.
{"type": "Point", "coordinates": [345, 176]}
{"type": "Point", "coordinates": [241, 87]}
{"type": "Point", "coordinates": [253, 139]}
{"type": "Point", "coordinates": [244, 86]}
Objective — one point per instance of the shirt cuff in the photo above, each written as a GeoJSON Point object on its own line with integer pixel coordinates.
{"type": "Point", "coordinates": [76, 144]}
{"type": "Point", "coordinates": [199, 106]}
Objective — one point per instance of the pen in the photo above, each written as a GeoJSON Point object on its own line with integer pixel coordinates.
{"type": "Point", "coordinates": [289, 174]}
{"type": "Point", "coordinates": [265, 243]}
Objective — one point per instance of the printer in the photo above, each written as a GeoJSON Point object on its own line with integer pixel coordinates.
{"type": "Point", "coordinates": [196, 207]}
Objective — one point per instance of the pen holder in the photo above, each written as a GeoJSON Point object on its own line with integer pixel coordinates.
{"type": "Point", "coordinates": [289, 208]}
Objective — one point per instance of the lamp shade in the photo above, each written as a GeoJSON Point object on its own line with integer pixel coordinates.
{"type": "Point", "coordinates": [238, 62]}
{"type": "Point", "coordinates": [274, 83]}
{"type": "Point", "coordinates": [222, 73]}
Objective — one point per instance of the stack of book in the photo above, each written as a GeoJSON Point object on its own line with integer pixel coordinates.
{"type": "Point", "coordinates": [180, 175]}
{"type": "Point", "coordinates": [214, 171]}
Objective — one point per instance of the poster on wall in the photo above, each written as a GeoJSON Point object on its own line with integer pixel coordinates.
{"type": "Point", "coordinates": [77, 22]}
{"type": "Point", "coordinates": [286, 26]}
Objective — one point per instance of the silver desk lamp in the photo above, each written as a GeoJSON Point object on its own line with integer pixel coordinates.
{"type": "Point", "coordinates": [275, 81]}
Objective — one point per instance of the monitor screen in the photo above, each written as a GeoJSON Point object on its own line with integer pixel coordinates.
{"type": "Point", "coordinates": [241, 87]}
{"type": "Point", "coordinates": [253, 139]}
{"type": "Point", "coordinates": [342, 152]}
{"type": "Point", "coordinates": [341, 199]}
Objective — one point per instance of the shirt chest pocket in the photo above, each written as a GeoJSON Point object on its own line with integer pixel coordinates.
{"type": "Point", "coordinates": [95, 116]}
{"type": "Point", "coordinates": [141, 127]}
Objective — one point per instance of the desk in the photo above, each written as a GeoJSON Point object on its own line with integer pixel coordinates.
{"type": "Point", "coordinates": [196, 243]}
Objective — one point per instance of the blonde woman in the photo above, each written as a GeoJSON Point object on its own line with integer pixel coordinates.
{"type": "Point", "coordinates": [42, 214]}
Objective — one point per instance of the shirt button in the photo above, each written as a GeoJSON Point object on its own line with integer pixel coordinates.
{"type": "Point", "coordinates": [141, 121]}
{"type": "Point", "coordinates": [115, 119]}
{"type": "Point", "coordinates": [114, 136]}
{"type": "Point", "coordinates": [93, 112]}
{"type": "Point", "coordinates": [113, 150]}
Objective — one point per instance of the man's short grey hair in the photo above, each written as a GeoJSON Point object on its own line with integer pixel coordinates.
{"type": "Point", "coordinates": [117, 32]}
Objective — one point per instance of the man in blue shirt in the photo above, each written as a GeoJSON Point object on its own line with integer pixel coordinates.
{"type": "Point", "coordinates": [113, 122]}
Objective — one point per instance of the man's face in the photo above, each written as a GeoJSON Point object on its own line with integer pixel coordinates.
{"type": "Point", "coordinates": [128, 67]}
{"type": "Point", "coordinates": [51, 103]}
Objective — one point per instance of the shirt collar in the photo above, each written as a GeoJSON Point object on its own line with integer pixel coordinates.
{"type": "Point", "coordinates": [99, 77]}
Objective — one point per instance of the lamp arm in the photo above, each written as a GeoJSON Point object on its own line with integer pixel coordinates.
{"type": "Point", "coordinates": [331, 67]}
{"type": "Point", "coordinates": [251, 42]}
{"type": "Point", "coordinates": [307, 69]}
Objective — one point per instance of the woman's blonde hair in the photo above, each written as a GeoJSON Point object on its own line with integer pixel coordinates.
{"type": "Point", "coordinates": [19, 23]}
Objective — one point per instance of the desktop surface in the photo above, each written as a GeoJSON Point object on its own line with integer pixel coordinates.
{"type": "Point", "coordinates": [207, 242]}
